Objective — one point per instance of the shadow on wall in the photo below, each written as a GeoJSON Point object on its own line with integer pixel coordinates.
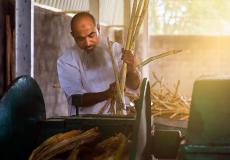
{"type": "Point", "coordinates": [52, 36]}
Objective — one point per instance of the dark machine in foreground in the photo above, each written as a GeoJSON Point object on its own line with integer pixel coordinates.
{"type": "Point", "coordinates": [24, 126]}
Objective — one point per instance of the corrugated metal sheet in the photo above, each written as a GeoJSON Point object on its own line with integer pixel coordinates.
{"type": "Point", "coordinates": [111, 12]}
{"type": "Point", "coordinates": [78, 5]}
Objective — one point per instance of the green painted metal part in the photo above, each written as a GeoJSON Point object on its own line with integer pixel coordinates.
{"type": "Point", "coordinates": [142, 126]}
{"type": "Point", "coordinates": [108, 125]}
{"type": "Point", "coordinates": [210, 112]}
{"type": "Point", "coordinates": [208, 134]}
{"type": "Point", "coordinates": [21, 108]}
{"type": "Point", "coordinates": [204, 152]}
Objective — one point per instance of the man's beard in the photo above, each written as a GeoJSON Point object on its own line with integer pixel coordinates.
{"type": "Point", "coordinates": [90, 49]}
{"type": "Point", "coordinates": [96, 58]}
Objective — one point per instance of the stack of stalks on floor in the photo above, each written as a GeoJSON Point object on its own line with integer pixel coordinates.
{"type": "Point", "coordinates": [168, 103]}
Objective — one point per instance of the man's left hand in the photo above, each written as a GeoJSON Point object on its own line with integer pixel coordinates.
{"type": "Point", "coordinates": [132, 79]}
{"type": "Point", "coordinates": [130, 60]}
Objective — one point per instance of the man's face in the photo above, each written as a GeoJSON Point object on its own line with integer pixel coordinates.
{"type": "Point", "coordinates": [85, 34]}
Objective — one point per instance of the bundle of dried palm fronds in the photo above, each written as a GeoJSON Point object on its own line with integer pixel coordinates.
{"type": "Point", "coordinates": [159, 56]}
{"type": "Point", "coordinates": [76, 144]}
{"type": "Point", "coordinates": [168, 103]}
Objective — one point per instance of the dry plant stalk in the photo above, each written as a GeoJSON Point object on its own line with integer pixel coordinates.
{"type": "Point", "coordinates": [117, 105]}
{"type": "Point", "coordinates": [119, 97]}
{"type": "Point", "coordinates": [167, 103]}
{"type": "Point", "coordinates": [138, 11]}
{"type": "Point", "coordinates": [161, 55]}
{"type": "Point", "coordinates": [138, 22]}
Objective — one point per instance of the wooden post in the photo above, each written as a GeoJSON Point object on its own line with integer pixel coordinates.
{"type": "Point", "coordinates": [24, 37]}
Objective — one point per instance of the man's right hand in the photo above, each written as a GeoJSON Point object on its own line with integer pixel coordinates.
{"type": "Point", "coordinates": [89, 99]}
{"type": "Point", "coordinates": [110, 92]}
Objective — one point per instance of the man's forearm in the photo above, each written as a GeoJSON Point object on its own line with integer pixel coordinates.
{"type": "Point", "coordinates": [132, 80]}
{"type": "Point", "coordinates": [89, 99]}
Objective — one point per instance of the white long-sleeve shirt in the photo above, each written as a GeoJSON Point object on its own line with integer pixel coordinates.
{"type": "Point", "coordinates": [80, 72]}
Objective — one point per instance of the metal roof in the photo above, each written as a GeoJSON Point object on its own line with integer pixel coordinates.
{"type": "Point", "coordinates": [111, 12]}
{"type": "Point", "coordinates": [79, 5]}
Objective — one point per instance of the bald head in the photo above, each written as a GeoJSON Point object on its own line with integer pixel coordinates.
{"type": "Point", "coordinates": [84, 31]}
{"type": "Point", "coordinates": [82, 16]}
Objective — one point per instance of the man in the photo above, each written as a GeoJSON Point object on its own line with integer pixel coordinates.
{"type": "Point", "coordinates": [85, 71]}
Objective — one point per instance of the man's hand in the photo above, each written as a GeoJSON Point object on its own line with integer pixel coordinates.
{"type": "Point", "coordinates": [132, 77]}
{"type": "Point", "coordinates": [92, 98]}
{"type": "Point", "coordinates": [110, 92]}
{"type": "Point", "coordinates": [130, 60]}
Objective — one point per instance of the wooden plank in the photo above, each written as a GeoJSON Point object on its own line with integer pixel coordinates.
{"type": "Point", "coordinates": [8, 50]}
{"type": "Point", "coordinates": [13, 59]}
